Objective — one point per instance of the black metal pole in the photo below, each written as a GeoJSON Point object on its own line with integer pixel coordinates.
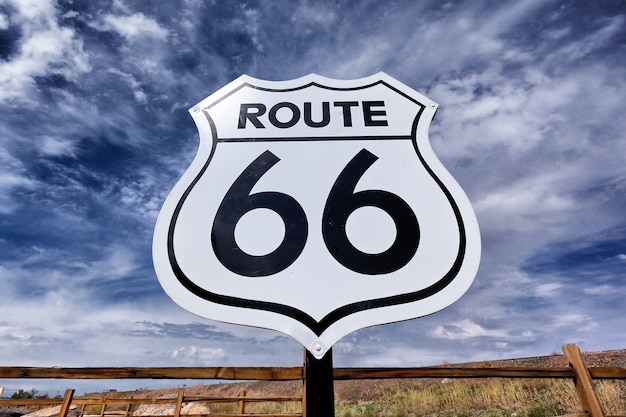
{"type": "Point", "coordinates": [319, 387]}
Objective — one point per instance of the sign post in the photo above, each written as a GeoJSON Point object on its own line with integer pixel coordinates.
{"type": "Point", "coordinates": [315, 207]}
{"type": "Point", "coordinates": [319, 394]}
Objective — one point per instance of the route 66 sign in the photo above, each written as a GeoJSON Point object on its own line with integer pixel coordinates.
{"type": "Point", "coordinates": [315, 207]}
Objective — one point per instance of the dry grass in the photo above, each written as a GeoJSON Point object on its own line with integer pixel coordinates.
{"type": "Point", "coordinates": [489, 397]}
{"type": "Point", "coordinates": [612, 396]}
{"type": "Point", "coordinates": [262, 407]}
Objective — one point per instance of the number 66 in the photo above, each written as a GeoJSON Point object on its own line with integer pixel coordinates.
{"type": "Point", "coordinates": [342, 201]}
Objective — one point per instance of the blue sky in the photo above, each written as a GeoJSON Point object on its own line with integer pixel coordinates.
{"type": "Point", "coordinates": [94, 133]}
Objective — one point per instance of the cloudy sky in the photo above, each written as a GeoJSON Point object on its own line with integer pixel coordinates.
{"type": "Point", "coordinates": [94, 133]}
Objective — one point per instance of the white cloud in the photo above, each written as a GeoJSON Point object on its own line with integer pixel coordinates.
{"type": "Point", "coordinates": [11, 177]}
{"type": "Point", "coordinates": [575, 321]}
{"type": "Point", "coordinates": [138, 93]}
{"type": "Point", "coordinates": [621, 256]}
{"type": "Point", "coordinates": [344, 346]}
{"type": "Point", "coordinates": [513, 114]}
{"type": "Point", "coordinates": [132, 26]}
{"type": "Point", "coordinates": [532, 203]}
{"type": "Point", "coordinates": [397, 356]}
{"type": "Point", "coordinates": [533, 145]}
{"type": "Point", "coordinates": [8, 180]}
{"type": "Point", "coordinates": [45, 49]}
{"type": "Point", "coordinates": [56, 146]}
{"type": "Point", "coordinates": [548, 290]}
{"type": "Point", "coordinates": [4, 22]}
{"type": "Point", "coordinates": [591, 42]}
{"type": "Point", "coordinates": [600, 290]}
{"type": "Point", "coordinates": [195, 355]}
{"type": "Point", "coordinates": [320, 14]}
{"type": "Point", "coordinates": [464, 329]}
{"type": "Point", "coordinates": [71, 14]}
{"type": "Point", "coordinates": [63, 271]}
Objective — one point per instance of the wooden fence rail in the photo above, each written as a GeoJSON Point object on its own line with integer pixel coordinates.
{"type": "Point", "coordinates": [232, 373]}
{"type": "Point", "coordinates": [287, 374]}
{"type": "Point", "coordinates": [577, 371]}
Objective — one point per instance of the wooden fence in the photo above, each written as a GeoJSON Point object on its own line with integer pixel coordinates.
{"type": "Point", "coordinates": [577, 371]}
{"type": "Point", "coordinates": [115, 407]}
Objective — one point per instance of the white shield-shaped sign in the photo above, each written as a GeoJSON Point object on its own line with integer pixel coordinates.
{"type": "Point", "coordinates": [315, 207]}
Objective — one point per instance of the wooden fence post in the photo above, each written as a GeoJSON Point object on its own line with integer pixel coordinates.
{"type": "Point", "coordinates": [67, 400]}
{"type": "Point", "coordinates": [242, 403]}
{"type": "Point", "coordinates": [582, 380]}
{"type": "Point", "coordinates": [179, 402]}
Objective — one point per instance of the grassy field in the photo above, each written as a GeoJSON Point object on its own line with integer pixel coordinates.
{"type": "Point", "coordinates": [491, 397]}
{"type": "Point", "coordinates": [467, 398]}
{"type": "Point", "coordinates": [488, 397]}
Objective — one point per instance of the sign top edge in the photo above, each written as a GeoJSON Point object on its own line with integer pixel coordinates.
{"type": "Point", "coordinates": [313, 79]}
